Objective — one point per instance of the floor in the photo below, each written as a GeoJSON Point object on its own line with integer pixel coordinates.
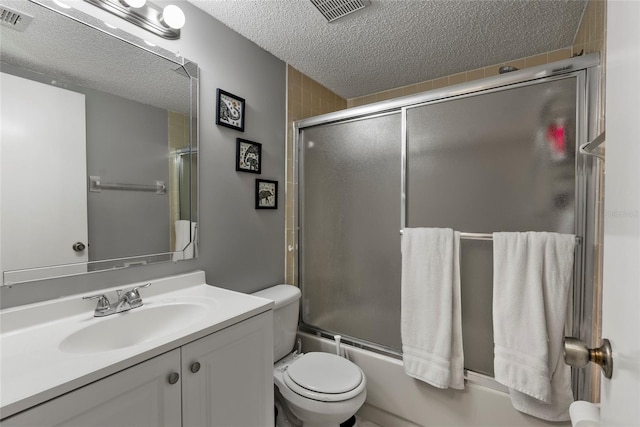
{"type": "Point", "coordinates": [282, 421]}
{"type": "Point", "coordinates": [365, 423]}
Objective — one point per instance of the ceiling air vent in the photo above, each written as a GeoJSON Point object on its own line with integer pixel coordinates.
{"type": "Point", "coordinates": [335, 9]}
{"type": "Point", "coordinates": [14, 19]}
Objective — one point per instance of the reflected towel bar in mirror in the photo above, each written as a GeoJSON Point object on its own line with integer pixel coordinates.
{"type": "Point", "coordinates": [96, 186]}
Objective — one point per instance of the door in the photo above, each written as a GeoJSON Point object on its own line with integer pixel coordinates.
{"type": "Point", "coordinates": [139, 396]}
{"type": "Point", "coordinates": [228, 376]}
{"type": "Point", "coordinates": [621, 294]}
{"type": "Point", "coordinates": [41, 121]}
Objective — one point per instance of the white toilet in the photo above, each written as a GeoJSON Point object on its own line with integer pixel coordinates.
{"type": "Point", "coordinates": [320, 389]}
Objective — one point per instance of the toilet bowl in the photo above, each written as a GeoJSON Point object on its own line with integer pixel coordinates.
{"type": "Point", "coordinates": [318, 389]}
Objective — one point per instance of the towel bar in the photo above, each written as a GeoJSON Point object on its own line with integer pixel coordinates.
{"type": "Point", "coordinates": [96, 186]}
{"type": "Point", "coordinates": [489, 236]}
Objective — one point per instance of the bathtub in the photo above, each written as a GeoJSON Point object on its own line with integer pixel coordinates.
{"type": "Point", "coordinates": [397, 400]}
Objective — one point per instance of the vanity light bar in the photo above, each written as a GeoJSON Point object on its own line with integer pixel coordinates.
{"type": "Point", "coordinates": [148, 17]}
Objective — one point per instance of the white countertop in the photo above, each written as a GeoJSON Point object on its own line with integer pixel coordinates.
{"type": "Point", "coordinates": [33, 369]}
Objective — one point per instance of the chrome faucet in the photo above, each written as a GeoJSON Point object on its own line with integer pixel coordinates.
{"type": "Point", "coordinates": [127, 301]}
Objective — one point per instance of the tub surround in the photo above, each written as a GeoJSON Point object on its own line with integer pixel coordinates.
{"type": "Point", "coordinates": [394, 399]}
{"type": "Point", "coordinates": [34, 368]}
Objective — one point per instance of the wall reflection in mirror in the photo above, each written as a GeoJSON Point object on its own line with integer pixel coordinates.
{"type": "Point", "coordinates": [99, 148]}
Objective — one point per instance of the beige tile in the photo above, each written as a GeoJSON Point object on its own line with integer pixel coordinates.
{"type": "Point", "coordinates": [518, 63]}
{"type": "Point", "coordinates": [492, 70]}
{"type": "Point", "coordinates": [294, 76]}
{"type": "Point", "coordinates": [368, 99]}
{"type": "Point", "coordinates": [475, 74]}
{"type": "Point", "coordinates": [409, 90]}
{"type": "Point", "coordinates": [306, 96]}
{"type": "Point", "coordinates": [577, 49]}
{"type": "Point", "coordinates": [458, 78]}
{"type": "Point", "coordinates": [425, 86]}
{"type": "Point", "coordinates": [533, 61]}
{"type": "Point", "coordinates": [354, 102]}
{"type": "Point", "coordinates": [580, 35]}
{"type": "Point", "coordinates": [394, 93]}
{"type": "Point", "coordinates": [559, 55]}
{"type": "Point", "coordinates": [441, 82]}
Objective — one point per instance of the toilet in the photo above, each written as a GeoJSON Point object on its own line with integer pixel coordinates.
{"type": "Point", "coordinates": [319, 389]}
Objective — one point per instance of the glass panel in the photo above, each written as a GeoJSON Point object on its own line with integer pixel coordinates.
{"type": "Point", "coordinates": [350, 267]}
{"type": "Point", "coordinates": [502, 161]}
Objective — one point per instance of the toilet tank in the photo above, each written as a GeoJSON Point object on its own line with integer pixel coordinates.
{"type": "Point", "coordinates": [285, 317]}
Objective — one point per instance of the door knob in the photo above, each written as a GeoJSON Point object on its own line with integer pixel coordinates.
{"type": "Point", "coordinates": [78, 246]}
{"type": "Point", "coordinates": [577, 354]}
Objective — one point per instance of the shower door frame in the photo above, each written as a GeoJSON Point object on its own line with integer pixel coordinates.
{"type": "Point", "coordinates": [586, 70]}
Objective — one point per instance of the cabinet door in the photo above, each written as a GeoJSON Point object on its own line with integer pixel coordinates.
{"type": "Point", "coordinates": [140, 396]}
{"type": "Point", "coordinates": [233, 386]}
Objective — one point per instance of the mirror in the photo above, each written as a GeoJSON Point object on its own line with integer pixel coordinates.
{"type": "Point", "coordinates": [98, 149]}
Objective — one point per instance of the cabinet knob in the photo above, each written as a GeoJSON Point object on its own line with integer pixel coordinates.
{"type": "Point", "coordinates": [173, 377]}
{"type": "Point", "coordinates": [78, 246]}
{"type": "Point", "coordinates": [195, 367]}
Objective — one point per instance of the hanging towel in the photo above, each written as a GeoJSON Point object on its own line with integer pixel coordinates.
{"type": "Point", "coordinates": [532, 274]}
{"type": "Point", "coordinates": [431, 320]}
{"type": "Point", "coordinates": [184, 231]}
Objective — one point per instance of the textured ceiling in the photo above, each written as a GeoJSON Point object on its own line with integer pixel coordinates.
{"type": "Point", "coordinates": [394, 43]}
{"type": "Point", "coordinates": [70, 52]}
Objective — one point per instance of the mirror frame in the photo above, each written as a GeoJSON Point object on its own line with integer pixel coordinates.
{"type": "Point", "coordinates": [12, 277]}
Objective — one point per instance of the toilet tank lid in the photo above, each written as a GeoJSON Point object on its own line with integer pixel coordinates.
{"type": "Point", "coordinates": [281, 295]}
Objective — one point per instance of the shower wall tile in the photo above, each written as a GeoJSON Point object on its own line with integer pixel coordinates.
{"type": "Point", "coordinates": [471, 75]}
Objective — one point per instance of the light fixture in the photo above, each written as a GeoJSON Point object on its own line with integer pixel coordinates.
{"type": "Point", "coordinates": [165, 22]}
{"type": "Point", "coordinates": [133, 3]}
{"type": "Point", "coordinates": [61, 4]}
{"type": "Point", "coordinates": [173, 17]}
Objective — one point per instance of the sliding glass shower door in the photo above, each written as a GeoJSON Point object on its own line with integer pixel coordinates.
{"type": "Point", "coordinates": [498, 161]}
{"type": "Point", "coordinates": [350, 228]}
{"type": "Point", "coordinates": [502, 159]}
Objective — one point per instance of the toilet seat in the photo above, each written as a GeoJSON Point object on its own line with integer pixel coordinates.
{"type": "Point", "coordinates": [324, 377]}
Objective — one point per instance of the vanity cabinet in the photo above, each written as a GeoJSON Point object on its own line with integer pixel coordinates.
{"type": "Point", "coordinates": [221, 380]}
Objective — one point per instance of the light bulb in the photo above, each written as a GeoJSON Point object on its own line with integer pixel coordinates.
{"type": "Point", "coordinates": [173, 17]}
{"type": "Point", "coordinates": [133, 3]}
{"type": "Point", "coordinates": [62, 5]}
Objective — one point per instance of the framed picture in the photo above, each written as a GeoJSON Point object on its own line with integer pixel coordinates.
{"type": "Point", "coordinates": [266, 194]}
{"type": "Point", "coordinates": [248, 156]}
{"type": "Point", "coordinates": [230, 110]}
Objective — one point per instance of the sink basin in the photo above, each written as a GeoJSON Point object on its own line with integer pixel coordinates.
{"type": "Point", "coordinates": [132, 327]}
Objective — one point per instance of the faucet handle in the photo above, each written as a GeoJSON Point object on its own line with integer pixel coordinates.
{"type": "Point", "coordinates": [134, 296]}
{"type": "Point", "coordinates": [104, 306]}
{"type": "Point", "coordinates": [140, 287]}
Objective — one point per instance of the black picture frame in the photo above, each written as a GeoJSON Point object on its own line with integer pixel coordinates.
{"type": "Point", "coordinates": [230, 110]}
{"type": "Point", "coordinates": [248, 156]}
{"type": "Point", "coordinates": [264, 200]}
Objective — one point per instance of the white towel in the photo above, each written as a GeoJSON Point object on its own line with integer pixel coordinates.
{"type": "Point", "coordinates": [532, 274]}
{"type": "Point", "coordinates": [431, 320]}
{"type": "Point", "coordinates": [186, 238]}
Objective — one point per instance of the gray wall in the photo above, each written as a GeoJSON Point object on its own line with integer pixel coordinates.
{"type": "Point", "coordinates": [127, 142]}
{"type": "Point", "coordinates": [240, 248]}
